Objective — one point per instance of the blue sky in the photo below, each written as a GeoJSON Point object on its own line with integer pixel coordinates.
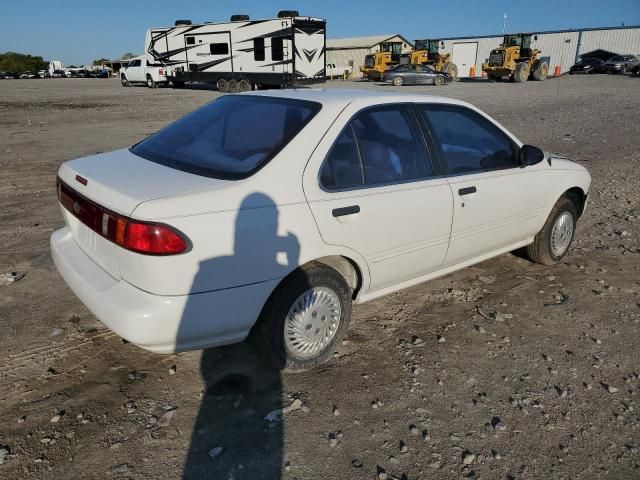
{"type": "Point", "coordinates": [78, 31]}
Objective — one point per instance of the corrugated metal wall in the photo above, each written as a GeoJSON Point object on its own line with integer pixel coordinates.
{"type": "Point", "coordinates": [623, 40]}
{"type": "Point", "coordinates": [343, 57]}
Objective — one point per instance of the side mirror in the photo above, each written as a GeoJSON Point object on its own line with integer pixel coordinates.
{"type": "Point", "coordinates": [530, 155]}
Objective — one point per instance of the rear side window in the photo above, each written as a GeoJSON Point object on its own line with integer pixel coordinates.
{"type": "Point", "coordinates": [219, 48]}
{"type": "Point", "coordinates": [258, 49]}
{"type": "Point", "coordinates": [277, 48]}
{"type": "Point", "coordinates": [381, 145]}
{"type": "Point", "coordinates": [229, 138]}
{"type": "Point", "coordinates": [468, 142]}
{"type": "Point", "coordinates": [191, 40]}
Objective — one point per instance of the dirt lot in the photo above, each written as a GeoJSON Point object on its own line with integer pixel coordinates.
{"type": "Point", "coordinates": [504, 370]}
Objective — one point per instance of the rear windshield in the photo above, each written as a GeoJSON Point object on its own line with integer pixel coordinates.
{"type": "Point", "coordinates": [229, 138]}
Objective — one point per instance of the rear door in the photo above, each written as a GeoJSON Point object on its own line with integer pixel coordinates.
{"type": "Point", "coordinates": [496, 203]}
{"type": "Point", "coordinates": [373, 190]}
{"type": "Point", "coordinates": [209, 52]}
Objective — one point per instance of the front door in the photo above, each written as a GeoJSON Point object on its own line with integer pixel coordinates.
{"type": "Point", "coordinates": [496, 203]}
{"type": "Point", "coordinates": [376, 194]}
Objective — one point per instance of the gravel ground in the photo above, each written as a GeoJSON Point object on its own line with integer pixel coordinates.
{"type": "Point", "coordinates": [504, 370]}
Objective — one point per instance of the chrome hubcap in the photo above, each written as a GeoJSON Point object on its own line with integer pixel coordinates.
{"type": "Point", "coordinates": [312, 322]}
{"type": "Point", "coordinates": [561, 234]}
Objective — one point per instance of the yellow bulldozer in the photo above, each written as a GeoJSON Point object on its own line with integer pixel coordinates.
{"type": "Point", "coordinates": [427, 52]}
{"type": "Point", "coordinates": [376, 64]}
{"type": "Point", "coordinates": [515, 59]}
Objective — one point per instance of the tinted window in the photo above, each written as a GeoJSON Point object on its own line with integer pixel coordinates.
{"type": "Point", "coordinates": [277, 48]}
{"type": "Point", "coordinates": [219, 48]}
{"type": "Point", "coordinates": [378, 146]}
{"type": "Point", "coordinates": [468, 142]}
{"type": "Point", "coordinates": [191, 40]}
{"type": "Point", "coordinates": [258, 49]}
{"type": "Point", "coordinates": [230, 137]}
{"type": "Point", "coordinates": [342, 167]}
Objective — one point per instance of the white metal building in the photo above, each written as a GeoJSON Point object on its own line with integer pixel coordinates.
{"type": "Point", "coordinates": [350, 52]}
{"type": "Point", "coordinates": [563, 46]}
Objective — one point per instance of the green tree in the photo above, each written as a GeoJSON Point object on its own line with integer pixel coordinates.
{"type": "Point", "coordinates": [100, 61]}
{"type": "Point", "coordinates": [20, 62]}
{"type": "Point", "coordinates": [128, 55]}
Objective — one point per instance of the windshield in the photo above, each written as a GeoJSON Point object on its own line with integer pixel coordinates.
{"type": "Point", "coordinates": [523, 41]}
{"type": "Point", "coordinates": [229, 138]}
{"type": "Point", "coordinates": [432, 46]}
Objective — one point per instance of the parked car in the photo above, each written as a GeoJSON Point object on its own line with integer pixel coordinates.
{"type": "Point", "coordinates": [29, 75]}
{"type": "Point", "coordinates": [587, 65]}
{"type": "Point", "coordinates": [4, 75]}
{"type": "Point", "coordinates": [58, 74]}
{"type": "Point", "coordinates": [410, 74]}
{"type": "Point", "coordinates": [99, 73]}
{"type": "Point", "coordinates": [144, 70]}
{"type": "Point", "coordinates": [267, 213]}
{"type": "Point", "coordinates": [621, 64]}
{"type": "Point", "coordinates": [43, 74]}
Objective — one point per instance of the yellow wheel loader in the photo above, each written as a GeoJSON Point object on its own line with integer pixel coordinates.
{"type": "Point", "coordinates": [376, 64]}
{"type": "Point", "coordinates": [427, 52]}
{"type": "Point", "coordinates": [517, 60]}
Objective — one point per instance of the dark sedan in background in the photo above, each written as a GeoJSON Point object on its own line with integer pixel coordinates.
{"type": "Point", "coordinates": [410, 74]}
{"type": "Point", "coordinates": [587, 65]}
{"type": "Point", "coordinates": [620, 64]}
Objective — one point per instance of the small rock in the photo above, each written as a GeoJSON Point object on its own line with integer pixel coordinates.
{"type": "Point", "coordinates": [609, 388]}
{"type": "Point", "coordinates": [414, 430]}
{"type": "Point", "coordinates": [10, 277]}
{"type": "Point", "coordinates": [355, 463]}
{"type": "Point", "coordinates": [4, 453]}
{"type": "Point", "coordinates": [403, 447]}
{"type": "Point", "coordinates": [165, 420]}
{"type": "Point", "coordinates": [56, 418]}
{"type": "Point", "coordinates": [468, 458]}
{"type": "Point", "coordinates": [562, 392]}
{"type": "Point", "coordinates": [287, 466]}
{"type": "Point", "coordinates": [441, 339]}
{"type": "Point", "coordinates": [417, 341]}
{"type": "Point", "coordinates": [172, 370]}
{"type": "Point", "coordinates": [479, 329]}
{"type": "Point", "coordinates": [497, 424]}
{"type": "Point", "coordinates": [336, 411]}
{"type": "Point", "coordinates": [215, 452]}
{"type": "Point", "coordinates": [425, 436]}
{"type": "Point", "coordinates": [22, 419]}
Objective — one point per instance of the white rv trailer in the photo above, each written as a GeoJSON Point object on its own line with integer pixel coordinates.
{"type": "Point", "coordinates": [243, 54]}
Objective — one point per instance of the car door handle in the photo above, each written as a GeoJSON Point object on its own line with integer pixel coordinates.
{"type": "Point", "coordinates": [341, 212]}
{"type": "Point", "coordinates": [467, 191]}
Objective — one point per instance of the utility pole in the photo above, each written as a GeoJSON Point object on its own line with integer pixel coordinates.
{"type": "Point", "coordinates": [504, 24]}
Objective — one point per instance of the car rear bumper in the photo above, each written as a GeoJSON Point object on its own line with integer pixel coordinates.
{"type": "Point", "coordinates": [161, 324]}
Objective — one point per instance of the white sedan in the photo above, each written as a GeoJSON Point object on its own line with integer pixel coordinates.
{"type": "Point", "coordinates": [269, 213]}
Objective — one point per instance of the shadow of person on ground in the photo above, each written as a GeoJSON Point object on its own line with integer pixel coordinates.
{"type": "Point", "coordinates": [231, 437]}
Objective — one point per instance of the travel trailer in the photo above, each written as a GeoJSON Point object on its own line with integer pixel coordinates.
{"type": "Point", "coordinates": [242, 54]}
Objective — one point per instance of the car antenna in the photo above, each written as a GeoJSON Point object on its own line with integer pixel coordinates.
{"type": "Point", "coordinates": [555, 117]}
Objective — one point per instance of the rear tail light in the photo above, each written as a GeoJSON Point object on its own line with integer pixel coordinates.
{"type": "Point", "coordinates": [160, 72]}
{"type": "Point", "coordinates": [148, 238]}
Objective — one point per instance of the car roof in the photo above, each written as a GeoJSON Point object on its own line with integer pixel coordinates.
{"type": "Point", "coordinates": [344, 96]}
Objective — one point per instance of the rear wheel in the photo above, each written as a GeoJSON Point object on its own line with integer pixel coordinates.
{"type": "Point", "coordinates": [553, 241]}
{"type": "Point", "coordinates": [451, 69]}
{"type": "Point", "coordinates": [244, 85]}
{"type": "Point", "coordinates": [522, 72]}
{"type": "Point", "coordinates": [222, 85]}
{"type": "Point", "coordinates": [438, 81]}
{"type": "Point", "coordinates": [124, 81]}
{"type": "Point", "coordinates": [150, 82]}
{"type": "Point", "coordinates": [305, 318]}
{"type": "Point", "coordinates": [398, 81]}
{"type": "Point", "coordinates": [541, 71]}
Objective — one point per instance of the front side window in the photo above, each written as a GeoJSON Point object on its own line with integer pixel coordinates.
{"type": "Point", "coordinates": [277, 48]}
{"type": "Point", "coordinates": [380, 145]}
{"type": "Point", "coordinates": [219, 48]}
{"type": "Point", "coordinates": [469, 143]}
{"type": "Point", "coordinates": [229, 138]}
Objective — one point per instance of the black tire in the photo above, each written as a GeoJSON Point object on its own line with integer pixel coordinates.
{"type": "Point", "coordinates": [623, 70]}
{"type": "Point", "coordinates": [232, 86]}
{"type": "Point", "coordinates": [151, 82]}
{"type": "Point", "coordinates": [540, 250]}
{"type": "Point", "coordinates": [541, 71]}
{"type": "Point", "coordinates": [124, 81]}
{"type": "Point", "coordinates": [494, 78]}
{"type": "Point", "coordinates": [451, 69]}
{"type": "Point", "coordinates": [244, 85]}
{"type": "Point", "coordinates": [178, 85]}
{"type": "Point", "coordinates": [438, 81]}
{"type": "Point", "coordinates": [269, 333]}
{"type": "Point", "coordinates": [398, 81]}
{"type": "Point", "coordinates": [522, 72]}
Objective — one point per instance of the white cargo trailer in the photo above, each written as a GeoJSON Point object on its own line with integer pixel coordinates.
{"type": "Point", "coordinates": [242, 54]}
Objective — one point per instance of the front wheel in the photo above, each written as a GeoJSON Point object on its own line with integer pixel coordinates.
{"type": "Point", "coordinates": [438, 81]}
{"type": "Point", "coordinates": [305, 318]}
{"type": "Point", "coordinates": [124, 81]}
{"type": "Point", "coordinates": [553, 241]}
